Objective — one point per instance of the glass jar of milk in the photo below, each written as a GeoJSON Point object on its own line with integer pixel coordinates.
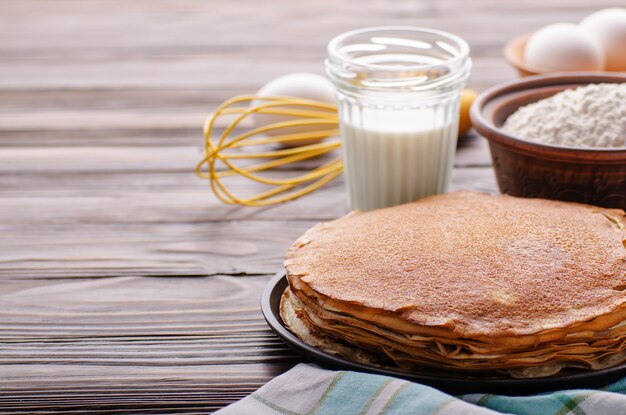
{"type": "Point", "coordinates": [398, 91]}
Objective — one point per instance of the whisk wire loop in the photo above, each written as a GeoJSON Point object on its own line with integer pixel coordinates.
{"type": "Point", "coordinates": [319, 116]}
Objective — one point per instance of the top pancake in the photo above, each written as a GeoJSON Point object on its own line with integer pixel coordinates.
{"type": "Point", "coordinates": [475, 264]}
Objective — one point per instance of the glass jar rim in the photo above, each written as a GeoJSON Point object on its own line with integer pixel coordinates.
{"type": "Point", "coordinates": [335, 55]}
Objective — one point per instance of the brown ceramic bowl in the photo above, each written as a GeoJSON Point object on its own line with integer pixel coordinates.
{"type": "Point", "coordinates": [527, 169]}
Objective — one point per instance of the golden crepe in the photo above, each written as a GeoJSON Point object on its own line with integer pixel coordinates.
{"type": "Point", "coordinates": [467, 282]}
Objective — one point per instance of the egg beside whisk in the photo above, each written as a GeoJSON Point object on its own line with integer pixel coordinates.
{"type": "Point", "coordinates": [297, 85]}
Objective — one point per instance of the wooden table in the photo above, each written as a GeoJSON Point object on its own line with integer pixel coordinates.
{"type": "Point", "coordinates": [125, 287]}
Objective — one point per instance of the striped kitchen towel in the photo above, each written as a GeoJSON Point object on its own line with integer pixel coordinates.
{"type": "Point", "coordinates": [308, 389]}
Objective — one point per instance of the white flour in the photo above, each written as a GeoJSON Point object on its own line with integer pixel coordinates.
{"type": "Point", "coordinates": [589, 116]}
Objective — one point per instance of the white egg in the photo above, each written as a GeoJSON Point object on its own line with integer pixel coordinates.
{"type": "Point", "coordinates": [297, 85]}
{"type": "Point", "coordinates": [564, 47]}
{"type": "Point", "coordinates": [609, 27]}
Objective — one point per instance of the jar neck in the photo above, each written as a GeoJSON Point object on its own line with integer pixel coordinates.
{"type": "Point", "coordinates": [397, 63]}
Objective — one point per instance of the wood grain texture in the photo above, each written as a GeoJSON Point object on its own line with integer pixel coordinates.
{"type": "Point", "coordinates": [175, 233]}
{"type": "Point", "coordinates": [134, 344]}
{"type": "Point", "coordinates": [125, 286]}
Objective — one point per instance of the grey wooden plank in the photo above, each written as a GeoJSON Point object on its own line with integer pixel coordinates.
{"type": "Point", "coordinates": [228, 73]}
{"type": "Point", "coordinates": [162, 198]}
{"type": "Point", "coordinates": [181, 158]}
{"type": "Point", "coordinates": [163, 232]}
{"type": "Point", "coordinates": [109, 249]}
{"type": "Point", "coordinates": [140, 50]}
{"type": "Point", "coordinates": [168, 25]}
{"type": "Point", "coordinates": [127, 343]}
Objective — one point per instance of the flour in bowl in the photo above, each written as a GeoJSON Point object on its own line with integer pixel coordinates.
{"type": "Point", "coordinates": [590, 116]}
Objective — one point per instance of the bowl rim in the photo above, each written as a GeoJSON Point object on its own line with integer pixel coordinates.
{"type": "Point", "coordinates": [488, 129]}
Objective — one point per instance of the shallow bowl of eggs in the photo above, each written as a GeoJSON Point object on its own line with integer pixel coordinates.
{"type": "Point", "coordinates": [558, 136]}
{"type": "Point", "coordinates": [596, 43]}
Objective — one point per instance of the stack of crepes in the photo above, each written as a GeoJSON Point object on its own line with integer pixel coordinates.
{"type": "Point", "coordinates": [465, 282]}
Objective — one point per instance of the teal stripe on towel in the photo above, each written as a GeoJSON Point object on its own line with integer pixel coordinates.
{"type": "Point", "coordinates": [553, 403]}
{"type": "Point", "coordinates": [350, 394]}
{"type": "Point", "coordinates": [418, 399]}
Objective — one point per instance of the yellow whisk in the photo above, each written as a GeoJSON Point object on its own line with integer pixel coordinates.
{"type": "Point", "coordinates": [322, 117]}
